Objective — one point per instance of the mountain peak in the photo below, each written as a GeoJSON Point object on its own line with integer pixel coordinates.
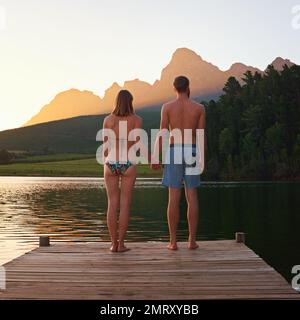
{"type": "Point", "coordinates": [240, 68]}
{"type": "Point", "coordinates": [184, 53]}
{"type": "Point", "coordinates": [236, 66]}
{"type": "Point", "coordinates": [115, 85]}
{"type": "Point", "coordinates": [68, 104]}
{"type": "Point", "coordinates": [279, 62]}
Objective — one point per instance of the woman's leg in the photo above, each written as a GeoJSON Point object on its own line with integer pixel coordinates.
{"type": "Point", "coordinates": [127, 185]}
{"type": "Point", "coordinates": [113, 196]}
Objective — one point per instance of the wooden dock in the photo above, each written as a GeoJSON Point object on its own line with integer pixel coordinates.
{"type": "Point", "coordinates": [217, 270]}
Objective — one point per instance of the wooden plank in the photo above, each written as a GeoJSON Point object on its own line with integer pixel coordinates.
{"type": "Point", "coordinates": [217, 270]}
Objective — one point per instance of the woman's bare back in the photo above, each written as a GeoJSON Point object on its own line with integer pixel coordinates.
{"type": "Point", "coordinates": [122, 126]}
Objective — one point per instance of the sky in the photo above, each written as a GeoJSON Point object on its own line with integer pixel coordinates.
{"type": "Point", "coordinates": [49, 46]}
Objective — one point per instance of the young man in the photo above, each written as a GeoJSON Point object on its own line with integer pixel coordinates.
{"type": "Point", "coordinates": [182, 117]}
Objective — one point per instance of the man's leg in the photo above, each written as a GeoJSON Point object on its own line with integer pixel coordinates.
{"type": "Point", "coordinates": [173, 215]}
{"type": "Point", "coordinates": [192, 215]}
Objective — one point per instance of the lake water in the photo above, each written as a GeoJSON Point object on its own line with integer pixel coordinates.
{"type": "Point", "coordinates": [74, 209]}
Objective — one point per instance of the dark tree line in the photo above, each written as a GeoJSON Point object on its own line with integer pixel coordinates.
{"type": "Point", "coordinates": [5, 157]}
{"type": "Point", "coordinates": [253, 130]}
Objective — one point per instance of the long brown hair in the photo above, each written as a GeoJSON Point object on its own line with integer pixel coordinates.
{"type": "Point", "coordinates": [123, 106]}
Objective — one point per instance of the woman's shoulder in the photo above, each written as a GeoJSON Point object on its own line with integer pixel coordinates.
{"type": "Point", "coordinates": [109, 119]}
{"type": "Point", "coordinates": [113, 118]}
{"type": "Point", "coordinates": [132, 118]}
{"type": "Point", "coordinates": [137, 118]}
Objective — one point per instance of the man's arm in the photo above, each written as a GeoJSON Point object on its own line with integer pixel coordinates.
{"type": "Point", "coordinates": [201, 123]}
{"type": "Point", "coordinates": [164, 119]}
{"type": "Point", "coordinates": [201, 126]}
{"type": "Point", "coordinates": [164, 125]}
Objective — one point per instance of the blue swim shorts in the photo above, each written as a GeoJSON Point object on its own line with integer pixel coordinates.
{"type": "Point", "coordinates": [181, 167]}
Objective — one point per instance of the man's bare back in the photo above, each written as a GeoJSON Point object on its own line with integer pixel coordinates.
{"type": "Point", "coordinates": [183, 113]}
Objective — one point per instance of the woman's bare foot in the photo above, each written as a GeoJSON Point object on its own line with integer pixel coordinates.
{"type": "Point", "coordinates": [193, 245]}
{"type": "Point", "coordinates": [114, 247]}
{"type": "Point", "coordinates": [122, 248]}
{"type": "Point", "coordinates": [172, 246]}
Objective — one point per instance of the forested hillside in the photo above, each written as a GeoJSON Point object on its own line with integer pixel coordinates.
{"type": "Point", "coordinates": [253, 131]}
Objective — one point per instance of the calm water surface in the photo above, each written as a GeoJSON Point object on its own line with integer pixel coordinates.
{"type": "Point", "coordinates": [74, 209]}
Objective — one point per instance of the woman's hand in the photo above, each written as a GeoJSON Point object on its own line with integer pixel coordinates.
{"type": "Point", "coordinates": [155, 166]}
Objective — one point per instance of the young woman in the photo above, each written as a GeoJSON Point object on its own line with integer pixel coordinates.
{"type": "Point", "coordinates": [119, 169]}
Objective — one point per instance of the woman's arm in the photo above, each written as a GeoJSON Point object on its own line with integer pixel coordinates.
{"type": "Point", "coordinates": [144, 152]}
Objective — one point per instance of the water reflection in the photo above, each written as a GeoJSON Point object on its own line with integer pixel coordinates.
{"type": "Point", "coordinates": [74, 209]}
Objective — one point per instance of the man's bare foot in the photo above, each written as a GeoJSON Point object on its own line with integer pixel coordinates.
{"type": "Point", "coordinates": [114, 247]}
{"type": "Point", "coordinates": [172, 246]}
{"type": "Point", "coordinates": [193, 245]}
{"type": "Point", "coordinates": [122, 248]}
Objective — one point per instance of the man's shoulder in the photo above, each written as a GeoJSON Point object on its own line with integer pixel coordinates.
{"type": "Point", "coordinates": [170, 103]}
{"type": "Point", "coordinates": [198, 105]}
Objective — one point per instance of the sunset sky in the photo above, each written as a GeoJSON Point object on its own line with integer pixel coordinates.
{"type": "Point", "coordinates": [50, 46]}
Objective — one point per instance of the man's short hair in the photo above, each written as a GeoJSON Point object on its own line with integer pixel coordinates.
{"type": "Point", "coordinates": [181, 84]}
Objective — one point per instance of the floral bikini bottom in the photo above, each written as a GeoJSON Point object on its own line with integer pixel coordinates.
{"type": "Point", "coordinates": [118, 168]}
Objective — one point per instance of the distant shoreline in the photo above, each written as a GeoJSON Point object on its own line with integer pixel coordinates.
{"type": "Point", "coordinates": [140, 181]}
{"type": "Point", "coordinates": [141, 178]}
{"type": "Point", "coordinates": [86, 166]}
